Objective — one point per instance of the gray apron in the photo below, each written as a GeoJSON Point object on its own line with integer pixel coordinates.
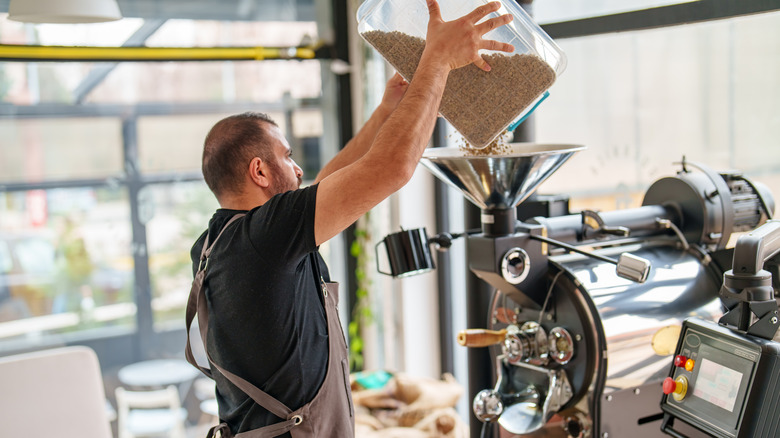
{"type": "Point", "coordinates": [329, 414]}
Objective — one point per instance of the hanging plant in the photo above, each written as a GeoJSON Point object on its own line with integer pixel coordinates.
{"type": "Point", "coordinates": [362, 315]}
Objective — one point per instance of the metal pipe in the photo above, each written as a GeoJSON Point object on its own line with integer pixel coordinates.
{"type": "Point", "coordinates": [111, 54]}
{"type": "Point", "coordinates": [574, 249]}
{"type": "Point", "coordinates": [641, 222]}
{"type": "Point", "coordinates": [444, 268]}
{"type": "Point", "coordinates": [478, 294]}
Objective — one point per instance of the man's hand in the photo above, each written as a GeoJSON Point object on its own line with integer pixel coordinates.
{"type": "Point", "coordinates": [362, 180]}
{"type": "Point", "coordinates": [394, 90]}
{"type": "Point", "coordinates": [457, 43]}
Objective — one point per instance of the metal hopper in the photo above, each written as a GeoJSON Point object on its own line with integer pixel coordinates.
{"type": "Point", "coordinates": [498, 182]}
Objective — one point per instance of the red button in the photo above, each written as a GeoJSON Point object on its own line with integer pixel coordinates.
{"type": "Point", "coordinates": [679, 361]}
{"type": "Point", "coordinates": [669, 385]}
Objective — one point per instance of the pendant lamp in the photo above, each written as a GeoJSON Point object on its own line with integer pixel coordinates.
{"type": "Point", "coordinates": [64, 11]}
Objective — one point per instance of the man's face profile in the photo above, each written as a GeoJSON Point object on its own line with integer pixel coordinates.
{"type": "Point", "coordinates": [286, 175]}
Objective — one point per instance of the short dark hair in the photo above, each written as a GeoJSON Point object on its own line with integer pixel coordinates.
{"type": "Point", "coordinates": [230, 145]}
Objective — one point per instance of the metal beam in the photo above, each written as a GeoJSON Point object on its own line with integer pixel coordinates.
{"type": "Point", "coordinates": [673, 15]}
{"type": "Point", "coordinates": [138, 219]}
{"type": "Point", "coordinates": [109, 181]}
{"type": "Point", "coordinates": [55, 110]}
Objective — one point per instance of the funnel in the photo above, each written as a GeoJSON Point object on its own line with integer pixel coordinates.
{"type": "Point", "coordinates": [498, 182]}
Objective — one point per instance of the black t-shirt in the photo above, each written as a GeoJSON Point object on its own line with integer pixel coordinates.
{"type": "Point", "coordinates": [267, 323]}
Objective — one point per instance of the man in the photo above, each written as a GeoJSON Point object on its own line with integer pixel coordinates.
{"type": "Point", "coordinates": [272, 320]}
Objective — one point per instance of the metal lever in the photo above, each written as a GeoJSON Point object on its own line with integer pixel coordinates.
{"type": "Point", "coordinates": [632, 268]}
{"type": "Point", "coordinates": [628, 266]}
{"type": "Point", "coordinates": [592, 220]}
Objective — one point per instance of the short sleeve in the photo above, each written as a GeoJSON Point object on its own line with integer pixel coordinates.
{"type": "Point", "coordinates": [283, 227]}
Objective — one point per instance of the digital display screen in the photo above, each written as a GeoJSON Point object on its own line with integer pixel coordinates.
{"type": "Point", "coordinates": [717, 384]}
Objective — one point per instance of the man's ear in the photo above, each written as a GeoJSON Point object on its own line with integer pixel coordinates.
{"type": "Point", "coordinates": [258, 172]}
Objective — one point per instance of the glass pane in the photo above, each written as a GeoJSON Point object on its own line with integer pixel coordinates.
{"type": "Point", "coordinates": [173, 33]}
{"type": "Point", "coordinates": [155, 82]}
{"type": "Point", "coordinates": [220, 81]}
{"type": "Point", "coordinates": [34, 83]}
{"type": "Point", "coordinates": [307, 132]}
{"type": "Point", "coordinates": [707, 91]}
{"type": "Point", "coordinates": [65, 265]}
{"type": "Point", "coordinates": [175, 142]}
{"type": "Point", "coordinates": [199, 33]}
{"type": "Point", "coordinates": [63, 148]}
{"type": "Point", "coordinates": [181, 212]}
{"type": "Point", "coordinates": [94, 34]}
{"type": "Point", "coordinates": [553, 11]}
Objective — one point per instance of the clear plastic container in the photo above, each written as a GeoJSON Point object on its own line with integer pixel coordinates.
{"type": "Point", "coordinates": [480, 105]}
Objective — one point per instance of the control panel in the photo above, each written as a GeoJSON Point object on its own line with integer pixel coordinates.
{"type": "Point", "coordinates": [723, 383]}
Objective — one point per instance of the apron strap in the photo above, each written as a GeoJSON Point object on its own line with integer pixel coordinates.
{"type": "Point", "coordinates": [193, 302]}
{"type": "Point", "coordinates": [223, 431]}
{"type": "Point", "coordinates": [196, 304]}
{"type": "Point", "coordinates": [273, 430]}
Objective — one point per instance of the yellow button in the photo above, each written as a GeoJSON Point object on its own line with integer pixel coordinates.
{"type": "Point", "coordinates": [689, 364]}
{"type": "Point", "coordinates": [681, 389]}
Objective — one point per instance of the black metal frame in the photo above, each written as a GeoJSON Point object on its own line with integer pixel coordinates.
{"type": "Point", "coordinates": [663, 16]}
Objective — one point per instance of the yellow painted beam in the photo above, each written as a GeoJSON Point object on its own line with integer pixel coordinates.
{"type": "Point", "coordinates": [112, 54]}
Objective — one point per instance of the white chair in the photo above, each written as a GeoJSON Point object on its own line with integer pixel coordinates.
{"type": "Point", "coordinates": [150, 413]}
{"type": "Point", "coordinates": [53, 393]}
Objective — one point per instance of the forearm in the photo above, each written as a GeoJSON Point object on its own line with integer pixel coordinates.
{"type": "Point", "coordinates": [352, 190]}
{"type": "Point", "coordinates": [388, 165]}
{"type": "Point", "coordinates": [358, 145]}
{"type": "Point", "coordinates": [401, 140]}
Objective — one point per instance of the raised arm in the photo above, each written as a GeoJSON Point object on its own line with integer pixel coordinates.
{"type": "Point", "coordinates": [361, 142]}
{"type": "Point", "coordinates": [348, 193]}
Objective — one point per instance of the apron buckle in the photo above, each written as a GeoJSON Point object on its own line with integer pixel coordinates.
{"type": "Point", "coordinates": [324, 287]}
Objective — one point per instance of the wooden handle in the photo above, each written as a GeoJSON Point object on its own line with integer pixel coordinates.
{"type": "Point", "coordinates": [480, 337]}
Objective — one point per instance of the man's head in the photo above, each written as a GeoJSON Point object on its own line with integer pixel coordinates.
{"type": "Point", "coordinates": [247, 152]}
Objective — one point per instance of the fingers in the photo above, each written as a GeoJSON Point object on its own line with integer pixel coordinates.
{"type": "Point", "coordinates": [433, 10]}
{"type": "Point", "coordinates": [480, 12]}
{"type": "Point", "coordinates": [480, 62]}
{"type": "Point", "coordinates": [493, 23]}
{"type": "Point", "coordinates": [497, 46]}
{"type": "Point", "coordinates": [396, 79]}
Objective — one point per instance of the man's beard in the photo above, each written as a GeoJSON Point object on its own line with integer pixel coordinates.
{"type": "Point", "coordinates": [280, 185]}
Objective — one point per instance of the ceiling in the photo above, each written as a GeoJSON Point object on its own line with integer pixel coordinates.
{"type": "Point", "coordinates": [229, 10]}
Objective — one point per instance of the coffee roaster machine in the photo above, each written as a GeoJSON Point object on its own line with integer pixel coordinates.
{"type": "Point", "coordinates": [587, 312]}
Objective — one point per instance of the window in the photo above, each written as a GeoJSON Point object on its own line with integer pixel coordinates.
{"type": "Point", "coordinates": [641, 100]}
{"type": "Point", "coordinates": [41, 149]}
{"type": "Point", "coordinates": [101, 192]}
{"type": "Point", "coordinates": [66, 265]}
{"type": "Point", "coordinates": [179, 213]}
